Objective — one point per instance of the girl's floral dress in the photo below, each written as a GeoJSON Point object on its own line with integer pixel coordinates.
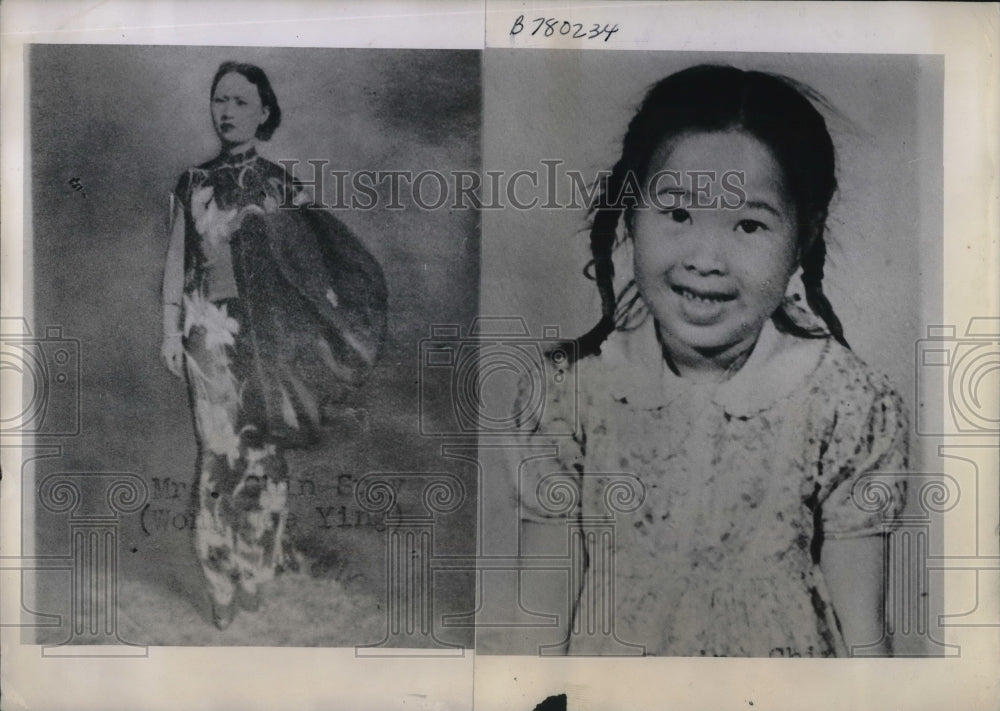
{"type": "Point", "coordinates": [721, 496]}
{"type": "Point", "coordinates": [283, 310]}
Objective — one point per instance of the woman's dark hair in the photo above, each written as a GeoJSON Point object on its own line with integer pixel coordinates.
{"type": "Point", "coordinates": [775, 110]}
{"type": "Point", "coordinates": [256, 76]}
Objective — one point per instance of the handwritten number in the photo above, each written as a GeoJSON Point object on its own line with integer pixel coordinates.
{"type": "Point", "coordinates": [564, 27]}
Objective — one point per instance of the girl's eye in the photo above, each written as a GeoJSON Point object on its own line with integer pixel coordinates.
{"type": "Point", "coordinates": [750, 226]}
{"type": "Point", "coordinates": [679, 215]}
{"type": "Point", "coordinates": [240, 102]}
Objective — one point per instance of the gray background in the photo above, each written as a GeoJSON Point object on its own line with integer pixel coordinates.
{"type": "Point", "coordinates": [126, 121]}
{"type": "Point", "coordinates": [884, 269]}
{"type": "Point", "coordinates": [881, 277]}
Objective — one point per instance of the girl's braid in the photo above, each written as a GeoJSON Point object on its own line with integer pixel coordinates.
{"type": "Point", "coordinates": [603, 239]}
{"type": "Point", "coordinates": [813, 261]}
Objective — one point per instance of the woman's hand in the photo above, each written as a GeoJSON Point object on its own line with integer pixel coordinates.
{"type": "Point", "coordinates": [172, 353]}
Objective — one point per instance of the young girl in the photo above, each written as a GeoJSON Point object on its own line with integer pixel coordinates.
{"type": "Point", "coordinates": [739, 415]}
{"type": "Point", "coordinates": [270, 309]}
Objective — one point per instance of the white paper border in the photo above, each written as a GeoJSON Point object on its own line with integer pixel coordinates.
{"type": "Point", "coordinates": [965, 34]}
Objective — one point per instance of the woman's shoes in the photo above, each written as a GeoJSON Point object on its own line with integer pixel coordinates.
{"type": "Point", "coordinates": [223, 615]}
{"type": "Point", "coordinates": [290, 559]}
{"type": "Point", "coordinates": [249, 601]}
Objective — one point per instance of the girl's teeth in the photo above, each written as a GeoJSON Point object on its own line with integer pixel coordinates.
{"type": "Point", "coordinates": [702, 299]}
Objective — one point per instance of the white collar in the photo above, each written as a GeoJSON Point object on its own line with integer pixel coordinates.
{"type": "Point", "coordinates": [776, 368]}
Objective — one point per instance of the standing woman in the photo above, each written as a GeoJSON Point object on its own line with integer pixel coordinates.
{"type": "Point", "coordinates": [271, 308]}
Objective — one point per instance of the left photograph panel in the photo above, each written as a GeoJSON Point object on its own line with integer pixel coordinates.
{"type": "Point", "coordinates": [234, 258]}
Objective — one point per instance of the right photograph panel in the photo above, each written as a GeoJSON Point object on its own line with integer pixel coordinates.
{"type": "Point", "coordinates": [726, 261]}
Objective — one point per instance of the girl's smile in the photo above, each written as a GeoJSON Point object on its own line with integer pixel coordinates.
{"type": "Point", "coordinates": [712, 270]}
{"type": "Point", "coordinates": [724, 183]}
{"type": "Point", "coordinates": [701, 305]}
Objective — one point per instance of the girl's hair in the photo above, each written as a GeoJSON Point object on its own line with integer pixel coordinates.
{"type": "Point", "coordinates": [256, 76]}
{"type": "Point", "coordinates": [775, 110]}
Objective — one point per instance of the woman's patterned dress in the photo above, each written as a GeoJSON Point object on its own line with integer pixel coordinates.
{"type": "Point", "coordinates": [283, 310]}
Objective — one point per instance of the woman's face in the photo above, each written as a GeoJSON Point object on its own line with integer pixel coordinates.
{"type": "Point", "coordinates": [715, 244]}
{"type": "Point", "coordinates": [237, 111]}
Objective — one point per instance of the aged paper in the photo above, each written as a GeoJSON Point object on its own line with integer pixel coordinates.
{"type": "Point", "coordinates": [450, 138]}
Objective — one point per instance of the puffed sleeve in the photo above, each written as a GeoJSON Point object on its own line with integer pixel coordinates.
{"type": "Point", "coordinates": [550, 462]}
{"type": "Point", "coordinates": [867, 462]}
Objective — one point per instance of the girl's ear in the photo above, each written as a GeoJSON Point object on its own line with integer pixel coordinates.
{"type": "Point", "coordinates": [266, 111]}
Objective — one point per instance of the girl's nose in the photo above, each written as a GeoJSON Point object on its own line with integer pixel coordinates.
{"type": "Point", "coordinates": [705, 254]}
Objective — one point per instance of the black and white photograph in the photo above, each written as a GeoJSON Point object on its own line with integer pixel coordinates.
{"type": "Point", "coordinates": [733, 241]}
{"type": "Point", "coordinates": [453, 355]}
{"type": "Point", "coordinates": [247, 313]}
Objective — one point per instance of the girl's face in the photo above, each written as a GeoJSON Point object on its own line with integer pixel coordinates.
{"type": "Point", "coordinates": [237, 111]}
{"type": "Point", "coordinates": [715, 245]}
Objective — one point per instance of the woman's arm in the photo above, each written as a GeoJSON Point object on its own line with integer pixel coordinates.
{"type": "Point", "coordinates": [173, 283]}
{"type": "Point", "coordinates": [854, 573]}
